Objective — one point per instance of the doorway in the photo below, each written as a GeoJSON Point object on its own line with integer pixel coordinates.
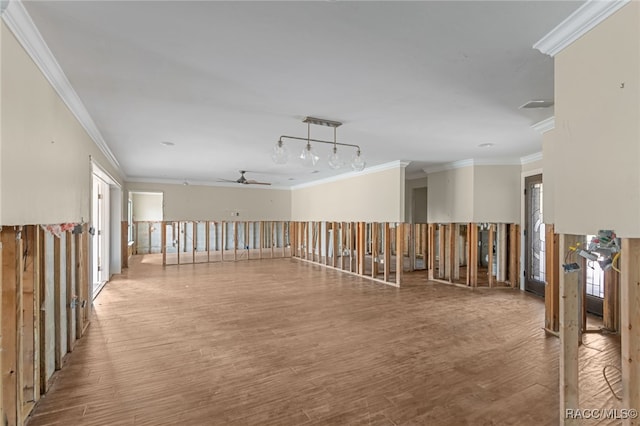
{"type": "Point", "coordinates": [534, 233]}
{"type": "Point", "coordinates": [106, 214]}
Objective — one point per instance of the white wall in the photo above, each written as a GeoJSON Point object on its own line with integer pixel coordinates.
{"type": "Point", "coordinates": [371, 196]}
{"type": "Point", "coordinates": [147, 206]}
{"type": "Point", "coordinates": [415, 197]}
{"type": "Point", "coordinates": [450, 196]}
{"type": "Point", "coordinates": [193, 202]}
{"type": "Point", "coordinates": [45, 171]}
{"type": "Point", "coordinates": [496, 194]}
{"type": "Point", "coordinates": [548, 176]}
{"type": "Point", "coordinates": [597, 129]}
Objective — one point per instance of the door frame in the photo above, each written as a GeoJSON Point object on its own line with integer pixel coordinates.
{"type": "Point", "coordinates": [532, 286]}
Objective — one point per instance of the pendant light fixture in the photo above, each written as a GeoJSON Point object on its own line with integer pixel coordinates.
{"type": "Point", "coordinates": [309, 157]}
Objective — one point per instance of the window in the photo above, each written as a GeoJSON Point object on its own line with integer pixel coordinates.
{"type": "Point", "coordinates": [595, 277]}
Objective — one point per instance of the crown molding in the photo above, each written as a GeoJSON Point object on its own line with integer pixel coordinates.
{"type": "Point", "coordinates": [532, 158]}
{"type": "Point", "coordinates": [471, 163]}
{"type": "Point", "coordinates": [369, 170]}
{"type": "Point", "coordinates": [17, 19]}
{"type": "Point", "coordinates": [545, 125]}
{"type": "Point", "coordinates": [585, 18]}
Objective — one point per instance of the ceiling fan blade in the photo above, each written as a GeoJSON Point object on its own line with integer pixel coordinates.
{"type": "Point", "coordinates": [227, 180]}
{"type": "Point", "coordinates": [255, 182]}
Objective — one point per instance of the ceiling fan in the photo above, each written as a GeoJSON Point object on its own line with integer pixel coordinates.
{"type": "Point", "coordinates": [243, 180]}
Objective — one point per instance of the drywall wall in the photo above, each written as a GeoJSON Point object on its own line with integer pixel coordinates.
{"type": "Point", "coordinates": [45, 172]}
{"type": "Point", "coordinates": [597, 129]}
{"type": "Point", "coordinates": [496, 194]}
{"type": "Point", "coordinates": [533, 165]}
{"type": "Point", "coordinates": [147, 206]}
{"type": "Point", "coordinates": [450, 195]}
{"type": "Point", "coordinates": [415, 200]}
{"type": "Point", "coordinates": [548, 177]}
{"type": "Point", "coordinates": [239, 203]}
{"type": "Point", "coordinates": [371, 196]}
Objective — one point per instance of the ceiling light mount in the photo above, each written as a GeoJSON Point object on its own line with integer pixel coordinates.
{"type": "Point", "coordinates": [309, 157]}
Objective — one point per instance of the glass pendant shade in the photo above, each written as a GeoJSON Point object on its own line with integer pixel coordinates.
{"type": "Point", "coordinates": [279, 154]}
{"type": "Point", "coordinates": [308, 156]}
{"type": "Point", "coordinates": [334, 160]}
{"type": "Point", "coordinates": [358, 163]}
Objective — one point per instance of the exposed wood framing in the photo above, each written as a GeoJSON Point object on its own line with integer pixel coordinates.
{"type": "Point", "coordinates": [56, 303]}
{"type": "Point", "coordinates": [335, 251]}
{"type": "Point", "coordinates": [569, 334]}
{"type": "Point", "coordinates": [124, 243]}
{"type": "Point", "coordinates": [472, 261]}
{"type": "Point", "coordinates": [387, 251]}
{"type": "Point", "coordinates": [502, 252]}
{"type": "Point", "coordinates": [207, 236]}
{"type": "Point", "coordinates": [163, 237]}
{"type": "Point", "coordinates": [431, 242]}
{"type": "Point", "coordinates": [399, 252]}
{"type": "Point", "coordinates": [235, 240]}
{"type": "Point", "coordinates": [361, 238]}
{"type": "Point", "coordinates": [12, 325]}
{"type": "Point", "coordinates": [374, 250]}
{"type": "Point", "coordinates": [423, 245]}
{"type": "Point", "coordinates": [37, 331]}
{"type": "Point", "coordinates": [69, 291]}
{"type": "Point", "coordinates": [44, 384]}
{"type": "Point", "coordinates": [630, 325]}
{"type": "Point", "coordinates": [552, 288]}
{"type": "Point", "coordinates": [611, 303]}
{"type": "Point", "coordinates": [83, 282]}
{"type": "Point", "coordinates": [492, 239]}
{"type": "Point", "coordinates": [442, 238]}
{"type": "Point", "coordinates": [514, 255]}
{"type": "Point", "coordinates": [451, 252]}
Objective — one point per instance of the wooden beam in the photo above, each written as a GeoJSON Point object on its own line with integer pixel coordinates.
{"type": "Point", "coordinates": [12, 325]}
{"type": "Point", "coordinates": [387, 252]}
{"type": "Point", "coordinates": [84, 283]}
{"type": "Point", "coordinates": [455, 251]}
{"type": "Point", "coordinates": [442, 238]}
{"type": "Point", "coordinates": [630, 325]}
{"type": "Point", "coordinates": [514, 255]}
{"type": "Point", "coordinates": [261, 238]}
{"type": "Point", "coordinates": [56, 301]}
{"type": "Point", "coordinates": [69, 311]}
{"type": "Point", "coordinates": [374, 250]}
{"type": "Point", "coordinates": [569, 334]}
{"type": "Point", "coordinates": [492, 239]}
{"type": "Point", "coordinates": [207, 237]}
{"type": "Point", "coordinates": [472, 262]}
{"type": "Point", "coordinates": [611, 303]}
{"type": "Point", "coordinates": [42, 377]}
{"type": "Point", "coordinates": [361, 236]}
{"type": "Point", "coordinates": [451, 251]}
{"type": "Point", "coordinates": [431, 242]}
{"type": "Point", "coordinates": [235, 241]}
{"type": "Point", "coordinates": [124, 243]}
{"type": "Point", "coordinates": [163, 236]}
{"type": "Point", "coordinates": [424, 245]}
{"type": "Point", "coordinates": [37, 331]}
{"type": "Point", "coordinates": [552, 288]}
{"type": "Point", "coordinates": [502, 252]}
{"type": "Point", "coordinates": [336, 245]}
{"type": "Point", "coordinates": [179, 237]}
{"type": "Point", "coordinates": [399, 253]}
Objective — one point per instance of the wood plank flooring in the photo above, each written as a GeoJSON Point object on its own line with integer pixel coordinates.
{"type": "Point", "coordinates": [284, 342]}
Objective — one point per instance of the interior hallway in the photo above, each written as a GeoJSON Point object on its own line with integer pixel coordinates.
{"type": "Point", "coordinates": [287, 342]}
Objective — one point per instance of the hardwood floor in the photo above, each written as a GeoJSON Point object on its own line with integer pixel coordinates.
{"type": "Point", "coordinates": [285, 342]}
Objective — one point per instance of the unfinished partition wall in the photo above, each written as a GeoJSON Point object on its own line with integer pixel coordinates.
{"type": "Point", "coordinates": [611, 301]}
{"type": "Point", "coordinates": [188, 242]}
{"type": "Point", "coordinates": [473, 254]}
{"type": "Point", "coordinates": [147, 237]}
{"type": "Point", "coordinates": [370, 249]}
{"type": "Point", "coordinates": [45, 309]}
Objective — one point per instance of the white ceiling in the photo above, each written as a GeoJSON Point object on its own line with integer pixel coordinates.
{"type": "Point", "coordinates": [425, 82]}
